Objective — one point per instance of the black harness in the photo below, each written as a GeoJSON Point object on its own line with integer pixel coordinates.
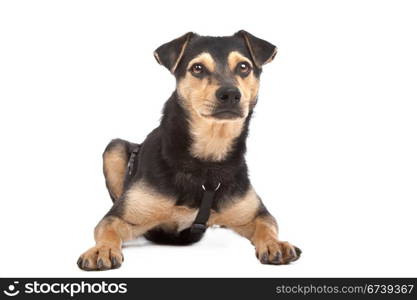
{"type": "Point", "coordinates": [131, 165]}
{"type": "Point", "coordinates": [199, 225]}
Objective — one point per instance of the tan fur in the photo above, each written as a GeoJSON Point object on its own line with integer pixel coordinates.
{"type": "Point", "coordinates": [205, 59]}
{"type": "Point", "coordinates": [239, 211]}
{"type": "Point", "coordinates": [241, 216]}
{"type": "Point", "coordinates": [265, 229]}
{"type": "Point", "coordinates": [146, 208]}
{"type": "Point", "coordinates": [213, 140]}
{"type": "Point", "coordinates": [109, 235]}
{"type": "Point", "coordinates": [249, 85]}
{"type": "Point", "coordinates": [267, 245]}
{"type": "Point", "coordinates": [198, 95]}
{"type": "Point", "coordinates": [181, 218]}
{"type": "Point", "coordinates": [112, 231]}
{"type": "Point", "coordinates": [114, 165]}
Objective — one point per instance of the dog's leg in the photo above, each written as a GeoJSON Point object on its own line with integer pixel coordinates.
{"type": "Point", "coordinates": [107, 253]}
{"type": "Point", "coordinates": [263, 233]}
{"type": "Point", "coordinates": [249, 218]}
{"type": "Point", "coordinates": [115, 160]}
{"type": "Point", "coordinates": [138, 210]}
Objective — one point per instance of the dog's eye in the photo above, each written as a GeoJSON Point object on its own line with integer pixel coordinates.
{"type": "Point", "coordinates": [197, 68]}
{"type": "Point", "coordinates": [244, 68]}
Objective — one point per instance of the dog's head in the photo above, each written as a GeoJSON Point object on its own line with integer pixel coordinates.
{"type": "Point", "coordinates": [217, 77]}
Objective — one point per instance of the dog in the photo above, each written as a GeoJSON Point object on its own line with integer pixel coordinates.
{"type": "Point", "coordinates": [192, 167]}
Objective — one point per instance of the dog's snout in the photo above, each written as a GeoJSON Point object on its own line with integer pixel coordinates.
{"type": "Point", "coordinates": [228, 95]}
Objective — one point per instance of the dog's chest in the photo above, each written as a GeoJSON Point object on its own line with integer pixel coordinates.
{"type": "Point", "coordinates": [183, 217]}
{"type": "Point", "coordinates": [213, 141]}
{"type": "Point", "coordinates": [237, 215]}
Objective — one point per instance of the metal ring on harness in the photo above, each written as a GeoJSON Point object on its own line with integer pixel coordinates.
{"type": "Point", "coordinates": [217, 187]}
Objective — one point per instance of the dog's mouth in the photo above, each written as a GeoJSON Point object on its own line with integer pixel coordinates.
{"type": "Point", "coordinates": [226, 114]}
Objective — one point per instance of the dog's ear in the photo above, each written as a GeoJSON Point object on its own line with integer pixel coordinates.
{"type": "Point", "coordinates": [262, 52]}
{"type": "Point", "coordinates": [169, 55]}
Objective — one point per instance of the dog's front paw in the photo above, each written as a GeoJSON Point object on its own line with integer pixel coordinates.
{"type": "Point", "coordinates": [100, 258]}
{"type": "Point", "coordinates": [276, 252]}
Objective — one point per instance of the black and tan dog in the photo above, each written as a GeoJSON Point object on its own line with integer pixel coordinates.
{"type": "Point", "coordinates": [157, 186]}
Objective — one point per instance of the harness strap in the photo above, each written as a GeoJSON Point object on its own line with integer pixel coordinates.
{"type": "Point", "coordinates": [200, 223]}
{"type": "Point", "coordinates": [131, 165]}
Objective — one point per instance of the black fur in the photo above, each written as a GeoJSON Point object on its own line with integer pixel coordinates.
{"type": "Point", "coordinates": [182, 238]}
{"type": "Point", "coordinates": [166, 164]}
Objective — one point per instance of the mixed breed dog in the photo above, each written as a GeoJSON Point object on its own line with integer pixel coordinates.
{"type": "Point", "coordinates": [192, 167]}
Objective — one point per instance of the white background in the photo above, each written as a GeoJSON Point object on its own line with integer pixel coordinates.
{"type": "Point", "coordinates": [332, 147]}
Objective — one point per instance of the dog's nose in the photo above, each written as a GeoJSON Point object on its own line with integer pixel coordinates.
{"type": "Point", "coordinates": [228, 95]}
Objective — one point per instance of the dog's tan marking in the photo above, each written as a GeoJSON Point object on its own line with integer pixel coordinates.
{"type": "Point", "coordinates": [236, 57]}
{"type": "Point", "coordinates": [198, 94]}
{"type": "Point", "coordinates": [107, 253]}
{"type": "Point", "coordinates": [249, 85]}
{"type": "Point", "coordinates": [144, 210]}
{"type": "Point", "coordinates": [181, 218]}
{"type": "Point", "coordinates": [213, 140]}
{"type": "Point", "coordinates": [114, 165]}
{"type": "Point", "coordinates": [238, 212]}
{"type": "Point", "coordinates": [112, 231]}
{"type": "Point", "coordinates": [265, 228]}
{"type": "Point", "coordinates": [205, 59]}
{"type": "Point", "coordinates": [147, 208]}
{"type": "Point", "coordinates": [269, 250]}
